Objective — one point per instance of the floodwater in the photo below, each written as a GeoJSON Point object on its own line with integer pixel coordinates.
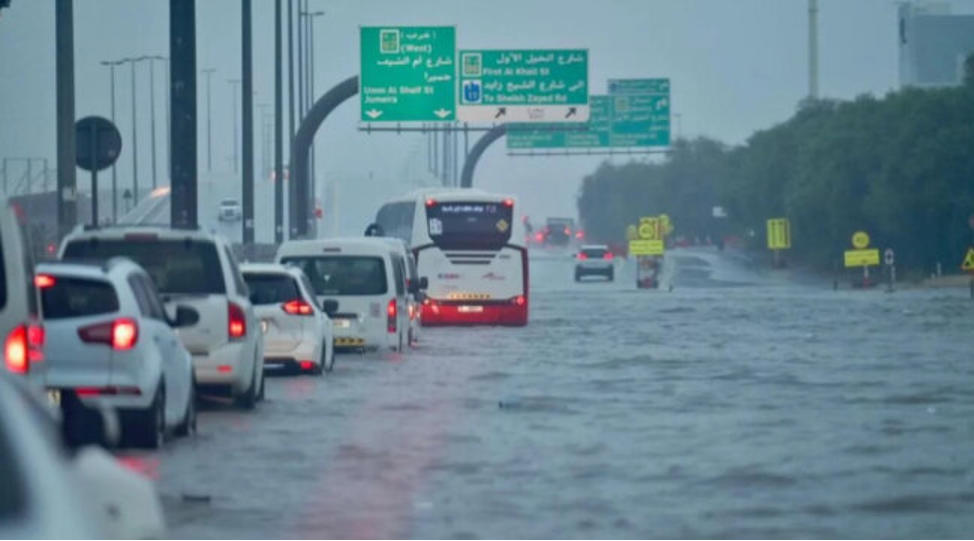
{"type": "Point", "coordinates": [738, 404]}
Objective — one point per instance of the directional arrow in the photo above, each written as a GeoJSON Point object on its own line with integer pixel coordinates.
{"type": "Point", "coordinates": [373, 113]}
{"type": "Point", "coordinates": [442, 113]}
{"type": "Point", "coordinates": [572, 111]}
{"type": "Point", "coordinates": [501, 111]}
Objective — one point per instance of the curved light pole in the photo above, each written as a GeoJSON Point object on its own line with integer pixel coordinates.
{"type": "Point", "coordinates": [111, 65]}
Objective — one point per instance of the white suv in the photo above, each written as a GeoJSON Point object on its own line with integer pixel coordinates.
{"type": "Point", "coordinates": [595, 259]}
{"type": "Point", "coordinates": [21, 332]}
{"type": "Point", "coordinates": [194, 269]}
{"type": "Point", "coordinates": [111, 343]}
{"type": "Point", "coordinates": [297, 331]}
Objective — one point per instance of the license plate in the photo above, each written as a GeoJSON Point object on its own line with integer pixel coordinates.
{"type": "Point", "coordinates": [341, 323]}
{"type": "Point", "coordinates": [54, 397]}
{"type": "Point", "coordinates": [470, 309]}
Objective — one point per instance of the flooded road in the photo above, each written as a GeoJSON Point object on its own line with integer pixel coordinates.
{"type": "Point", "coordinates": [736, 405]}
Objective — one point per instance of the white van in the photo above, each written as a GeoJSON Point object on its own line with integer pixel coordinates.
{"type": "Point", "coordinates": [20, 319]}
{"type": "Point", "coordinates": [366, 277]}
{"type": "Point", "coordinates": [414, 287]}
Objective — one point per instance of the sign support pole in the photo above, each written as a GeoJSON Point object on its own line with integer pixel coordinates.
{"type": "Point", "coordinates": [93, 149]}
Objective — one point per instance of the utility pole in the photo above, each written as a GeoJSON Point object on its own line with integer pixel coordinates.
{"type": "Point", "coordinates": [209, 120]}
{"type": "Point", "coordinates": [278, 125]}
{"type": "Point", "coordinates": [813, 49]}
{"type": "Point", "coordinates": [248, 122]}
{"type": "Point", "coordinates": [291, 194]}
{"type": "Point", "coordinates": [152, 115]}
{"type": "Point", "coordinates": [67, 210]}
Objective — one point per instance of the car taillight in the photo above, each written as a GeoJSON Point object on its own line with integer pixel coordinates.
{"type": "Point", "coordinates": [121, 334]}
{"type": "Point", "coordinates": [43, 281]}
{"type": "Point", "coordinates": [608, 255]}
{"type": "Point", "coordinates": [568, 231]}
{"type": "Point", "coordinates": [582, 256]}
{"type": "Point", "coordinates": [15, 350]}
{"type": "Point", "coordinates": [430, 202]}
{"type": "Point", "coordinates": [297, 307]}
{"type": "Point", "coordinates": [508, 202]}
{"type": "Point", "coordinates": [391, 311]}
{"type": "Point", "coordinates": [520, 300]}
{"type": "Point", "coordinates": [236, 321]}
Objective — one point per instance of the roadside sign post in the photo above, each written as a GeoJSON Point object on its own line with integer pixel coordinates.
{"type": "Point", "coordinates": [648, 247]}
{"type": "Point", "coordinates": [862, 256]}
{"type": "Point", "coordinates": [98, 145]}
{"type": "Point", "coordinates": [968, 264]}
{"type": "Point", "coordinates": [889, 257]}
{"type": "Point", "coordinates": [779, 238]}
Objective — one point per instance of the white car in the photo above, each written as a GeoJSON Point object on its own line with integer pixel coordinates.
{"type": "Point", "coordinates": [363, 277]}
{"type": "Point", "coordinates": [297, 330]}
{"type": "Point", "coordinates": [230, 210]}
{"type": "Point", "coordinates": [48, 494]}
{"type": "Point", "coordinates": [198, 270]}
{"type": "Point", "coordinates": [414, 287]}
{"type": "Point", "coordinates": [111, 343]}
{"type": "Point", "coordinates": [595, 259]}
{"type": "Point", "coordinates": [20, 321]}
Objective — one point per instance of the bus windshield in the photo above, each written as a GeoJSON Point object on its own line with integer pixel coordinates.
{"type": "Point", "coordinates": [469, 225]}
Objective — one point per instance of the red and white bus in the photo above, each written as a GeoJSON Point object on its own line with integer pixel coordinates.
{"type": "Point", "coordinates": [469, 245]}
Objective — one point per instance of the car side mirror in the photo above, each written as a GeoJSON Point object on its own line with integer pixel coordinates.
{"type": "Point", "coordinates": [329, 307]}
{"type": "Point", "coordinates": [185, 317]}
{"type": "Point", "coordinates": [424, 283]}
{"type": "Point", "coordinates": [413, 287]}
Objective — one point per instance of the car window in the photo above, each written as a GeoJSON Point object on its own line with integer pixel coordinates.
{"type": "Point", "coordinates": [343, 275]}
{"type": "Point", "coordinates": [147, 297]}
{"type": "Point", "coordinates": [595, 253]}
{"type": "Point", "coordinates": [78, 297]}
{"type": "Point", "coordinates": [271, 288]}
{"type": "Point", "coordinates": [399, 271]}
{"type": "Point", "coordinates": [176, 266]}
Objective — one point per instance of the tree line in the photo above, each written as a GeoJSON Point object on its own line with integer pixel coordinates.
{"type": "Point", "coordinates": [899, 167]}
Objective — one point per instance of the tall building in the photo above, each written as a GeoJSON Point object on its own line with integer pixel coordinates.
{"type": "Point", "coordinates": [933, 44]}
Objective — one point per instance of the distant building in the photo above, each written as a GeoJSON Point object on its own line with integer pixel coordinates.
{"type": "Point", "coordinates": [933, 44]}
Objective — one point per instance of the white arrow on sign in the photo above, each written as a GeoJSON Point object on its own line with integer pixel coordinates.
{"type": "Point", "coordinates": [442, 113]}
{"type": "Point", "coordinates": [373, 113]}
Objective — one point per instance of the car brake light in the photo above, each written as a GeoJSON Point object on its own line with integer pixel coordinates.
{"type": "Point", "coordinates": [236, 321]}
{"type": "Point", "coordinates": [392, 310]}
{"type": "Point", "coordinates": [608, 255]}
{"type": "Point", "coordinates": [307, 365]}
{"type": "Point", "coordinates": [15, 350]}
{"type": "Point", "coordinates": [508, 202]}
{"type": "Point", "coordinates": [121, 334]}
{"type": "Point", "coordinates": [582, 256]}
{"type": "Point", "coordinates": [297, 307]}
{"type": "Point", "coordinates": [568, 231]}
{"type": "Point", "coordinates": [520, 300]}
{"type": "Point", "coordinates": [42, 281]}
{"type": "Point", "coordinates": [430, 202]}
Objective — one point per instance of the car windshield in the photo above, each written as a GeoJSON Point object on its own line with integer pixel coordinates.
{"type": "Point", "coordinates": [70, 297]}
{"type": "Point", "coordinates": [271, 288]}
{"type": "Point", "coordinates": [343, 275]}
{"type": "Point", "coordinates": [176, 266]}
{"type": "Point", "coordinates": [595, 253]}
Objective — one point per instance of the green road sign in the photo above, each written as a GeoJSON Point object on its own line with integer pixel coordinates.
{"type": "Point", "coordinates": [408, 73]}
{"type": "Point", "coordinates": [538, 85]}
{"type": "Point", "coordinates": [640, 112]}
{"type": "Point", "coordinates": [594, 133]}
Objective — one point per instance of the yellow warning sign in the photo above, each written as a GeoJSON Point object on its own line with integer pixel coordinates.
{"type": "Point", "coordinates": [502, 225]}
{"type": "Point", "coordinates": [646, 247]}
{"type": "Point", "coordinates": [862, 258]}
{"type": "Point", "coordinates": [649, 228]}
{"type": "Point", "coordinates": [779, 234]}
{"type": "Point", "coordinates": [968, 264]}
{"type": "Point", "coordinates": [860, 240]}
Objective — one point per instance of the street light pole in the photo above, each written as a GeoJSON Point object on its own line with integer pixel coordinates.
{"type": "Point", "coordinates": [111, 65]}
{"type": "Point", "coordinates": [311, 95]}
{"type": "Point", "coordinates": [135, 146]}
{"type": "Point", "coordinates": [209, 125]}
{"type": "Point", "coordinates": [278, 125]}
{"type": "Point", "coordinates": [152, 115]}
{"type": "Point", "coordinates": [236, 157]}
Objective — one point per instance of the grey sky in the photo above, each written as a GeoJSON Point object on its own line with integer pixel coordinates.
{"type": "Point", "coordinates": [736, 66]}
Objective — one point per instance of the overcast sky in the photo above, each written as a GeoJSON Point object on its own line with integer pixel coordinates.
{"type": "Point", "coordinates": [736, 66]}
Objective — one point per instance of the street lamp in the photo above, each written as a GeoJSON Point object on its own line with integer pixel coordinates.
{"type": "Point", "coordinates": [209, 122]}
{"type": "Point", "coordinates": [111, 65]}
{"type": "Point", "coordinates": [311, 90]}
{"type": "Point", "coordinates": [152, 108]}
{"type": "Point", "coordinates": [236, 157]}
